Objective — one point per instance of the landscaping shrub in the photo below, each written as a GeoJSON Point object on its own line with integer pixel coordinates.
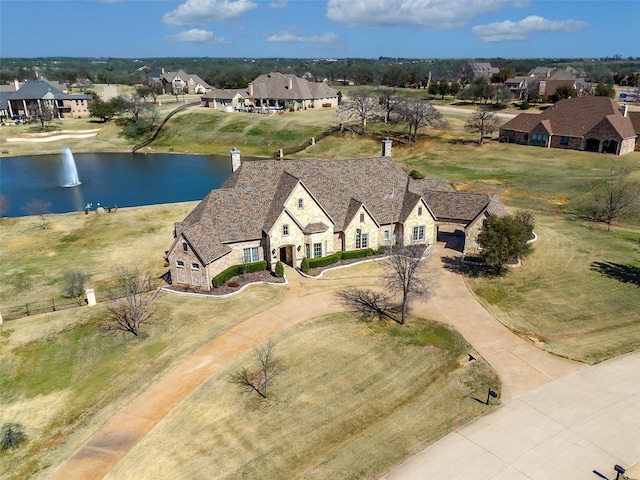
{"type": "Point", "coordinates": [324, 261]}
{"type": "Point", "coordinates": [279, 270]}
{"type": "Point", "coordinates": [304, 265]}
{"type": "Point", "coordinates": [416, 175]}
{"type": "Point", "coordinates": [363, 252]}
{"type": "Point", "coordinates": [234, 270]}
{"type": "Point", "coordinates": [11, 436]}
{"type": "Point", "coordinates": [381, 250]}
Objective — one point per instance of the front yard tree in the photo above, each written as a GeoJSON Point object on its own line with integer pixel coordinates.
{"type": "Point", "coordinates": [132, 296]}
{"type": "Point", "coordinates": [418, 114]}
{"type": "Point", "coordinates": [258, 379]}
{"type": "Point", "coordinates": [505, 239]}
{"type": "Point", "coordinates": [615, 196]}
{"type": "Point", "coordinates": [403, 276]}
{"type": "Point", "coordinates": [482, 121]}
{"type": "Point", "coordinates": [361, 105]}
{"type": "Point", "coordinates": [44, 115]}
{"type": "Point", "coordinates": [102, 110]}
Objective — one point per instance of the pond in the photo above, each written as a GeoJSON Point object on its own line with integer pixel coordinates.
{"type": "Point", "coordinates": [109, 179]}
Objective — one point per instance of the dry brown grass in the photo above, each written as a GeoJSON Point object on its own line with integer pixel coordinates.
{"type": "Point", "coordinates": [354, 400]}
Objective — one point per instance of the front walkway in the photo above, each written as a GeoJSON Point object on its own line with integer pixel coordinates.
{"type": "Point", "coordinates": [521, 365]}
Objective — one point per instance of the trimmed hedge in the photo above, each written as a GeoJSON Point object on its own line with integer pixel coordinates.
{"type": "Point", "coordinates": [234, 270]}
{"type": "Point", "coordinates": [324, 261]}
{"type": "Point", "coordinates": [363, 252]}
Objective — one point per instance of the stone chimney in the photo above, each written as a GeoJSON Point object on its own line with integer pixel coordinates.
{"type": "Point", "coordinates": [235, 159]}
{"type": "Point", "coordinates": [251, 89]}
{"type": "Point", "coordinates": [624, 109]}
{"type": "Point", "coordinates": [290, 83]}
{"type": "Point", "coordinates": [386, 147]}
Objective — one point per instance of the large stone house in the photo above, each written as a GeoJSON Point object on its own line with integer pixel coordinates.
{"type": "Point", "coordinates": [284, 210]}
{"type": "Point", "coordinates": [177, 82]}
{"type": "Point", "coordinates": [594, 124]}
{"type": "Point", "coordinates": [34, 95]}
{"type": "Point", "coordinates": [284, 91]}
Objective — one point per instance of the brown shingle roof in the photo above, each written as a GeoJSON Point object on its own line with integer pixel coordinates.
{"type": "Point", "coordinates": [253, 197]}
{"type": "Point", "coordinates": [276, 86]}
{"type": "Point", "coordinates": [635, 121]}
{"type": "Point", "coordinates": [574, 117]}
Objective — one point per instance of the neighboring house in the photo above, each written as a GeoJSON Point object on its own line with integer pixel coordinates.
{"type": "Point", "coordinates": [33, 95]}
{"type": "Point", "coordinates": [182, 82]}
{"type": "Point", "coordinates": [227, 100]}
{"type": "Point", "coordinates": [474, 70]}
{"type": "Point", "coordinates": [517, 86]}
{"type": "Point", "coordinates": [277, 210]}
{"type": "Point", "coordinates": [594, 124]}
{"type": "Point", "coordinates": [286, 91]}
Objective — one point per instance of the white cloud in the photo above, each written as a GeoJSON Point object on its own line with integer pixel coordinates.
{"type": "Point", "coordinates": [434, 14]}
{"type": "Point", "coordinates": [196, 35]}
{"type": "Point", "coordinates": [509, 31]}
{"type": "Point", "coordinates": [292, 35]}
{"type": "Point", "coordinates": [278, 4]}
{"type": "Point", "coordinates": [199, 12]}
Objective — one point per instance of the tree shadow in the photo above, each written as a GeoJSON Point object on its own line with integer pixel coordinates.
{"type": "Point", "coordinates": [618, 271]}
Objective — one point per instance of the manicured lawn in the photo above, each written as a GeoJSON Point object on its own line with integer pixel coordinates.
{"type": "Point", "coordinates": [355, 399]}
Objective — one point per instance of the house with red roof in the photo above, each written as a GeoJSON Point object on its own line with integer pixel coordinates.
{"type": "Point", "coordinates": [589, 123]}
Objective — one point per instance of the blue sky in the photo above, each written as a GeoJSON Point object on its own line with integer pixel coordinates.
{"type": "Point", "coordinates": [319, 28]}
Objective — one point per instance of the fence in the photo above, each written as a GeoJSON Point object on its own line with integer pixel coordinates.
{"type": "Point", "coordinates": [35, 308]}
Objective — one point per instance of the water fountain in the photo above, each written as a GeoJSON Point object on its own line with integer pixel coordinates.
{"type": "Point", "coordinates": [69, 174]}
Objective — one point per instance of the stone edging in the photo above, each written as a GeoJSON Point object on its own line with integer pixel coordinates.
{"type": "Point", "coordinates": [225, 295]}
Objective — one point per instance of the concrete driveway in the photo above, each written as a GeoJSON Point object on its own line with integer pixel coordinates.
{"type": "Point", "coordinates": [589, 420]}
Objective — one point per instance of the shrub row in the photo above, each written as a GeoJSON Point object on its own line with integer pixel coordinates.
{"type": "Point", "coordinates": [234, 270]}
{"type": "Point", "coordinates": [308, 263]}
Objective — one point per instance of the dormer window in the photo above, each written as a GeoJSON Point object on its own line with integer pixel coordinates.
{"type": "Point", "coordinates": [419, 210]}
{"type": "Point", "coordinates": [300, 203]}
{"type": "Point", "coordinates": [361, 217]}
{"type": "Point", "coordinates": [185, 247]}
{"type": "Point", "coordinates": [285, 230]}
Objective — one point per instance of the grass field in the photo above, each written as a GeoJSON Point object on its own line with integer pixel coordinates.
{"type": "Point", "coordinates": [355, 399]}
{"type": "Point", "coordinates": [63, 379]}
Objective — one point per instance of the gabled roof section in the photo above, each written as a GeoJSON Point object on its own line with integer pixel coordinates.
{"type": "Point", "coordinates": [436, 183]}
{"type": "Point", "coordinates": [523, 122]}
{"type": "Point", "coordinates": [635, 121]}
{"type": "Point", "coordinates": [458, 206]}
{"type": "Point", "coordinates": [36, 89]}
{"type": "Point", "coordinates": [286, 185]}
{"type": "Point", "coordinates": [222, 94]}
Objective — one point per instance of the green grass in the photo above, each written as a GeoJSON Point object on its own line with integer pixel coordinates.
{"type": "Point", "coordinates": [354, 400]}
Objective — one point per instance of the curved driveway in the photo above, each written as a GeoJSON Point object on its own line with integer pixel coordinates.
{"type": "Point", "coordinates": [521, 366]}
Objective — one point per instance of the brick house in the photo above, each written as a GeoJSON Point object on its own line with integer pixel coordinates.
{"type": "Point", "coordinates": [34, 95]}
{"type": "Point", "coordinates": [286, 210]}
{"type": "Point", "coordinates": [594, 124]}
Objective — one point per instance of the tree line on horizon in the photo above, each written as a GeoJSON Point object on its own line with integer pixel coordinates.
{"type": "Point", "coordinates": [238, 72]}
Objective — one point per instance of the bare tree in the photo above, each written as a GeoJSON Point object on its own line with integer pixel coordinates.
{"type": "Point", "coordinates": [418, 114]}
{"type": "Point", "coordinates": [258, 379]}
{"type": "Point", "coordinates": [132, 297]}
{"type": "Point", "coordinates": [368, 303]}
{"type": "Point", "coordinates": [361, 105]}
{"type": "Point", "coordinates": [41, 209]}
{"type": "Point", "coordinates": [403, 276]}
{"type": "Point", "coordinates": [615, 196]}
{"type": "Point", "coordinates": [388, 102]}
{"type": "Point", "coordinates": [482, 121]}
